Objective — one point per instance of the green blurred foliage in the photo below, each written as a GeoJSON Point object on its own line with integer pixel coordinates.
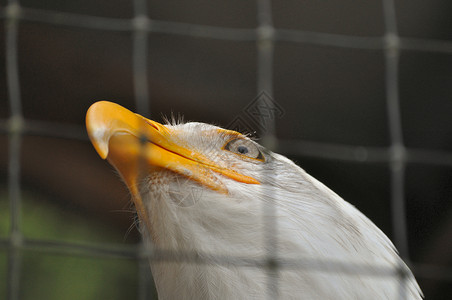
{"type": "Point", "coordinates": [4, 214]}
{"type": "Point", "coordinates": [57, 276]}
{"type": "Point", "coordinates": [44, 220]}
{"type": "Point", "coordinates": [2, 274]}
{"type": "Point", "coordinates": [47, 276]}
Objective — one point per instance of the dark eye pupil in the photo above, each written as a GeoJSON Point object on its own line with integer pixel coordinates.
{"type": "Point", "coordinates": [242, 149]}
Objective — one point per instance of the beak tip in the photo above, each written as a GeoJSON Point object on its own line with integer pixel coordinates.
{"type": "Point", "coordinates": [99, 140]}
{"type": "Point", "coordinates": [95, 126]}
{"type": "Point", "coordinates": [102, 151]}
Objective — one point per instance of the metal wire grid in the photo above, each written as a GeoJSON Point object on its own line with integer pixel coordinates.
{"type": "Point", "coordinates": [265, 36]}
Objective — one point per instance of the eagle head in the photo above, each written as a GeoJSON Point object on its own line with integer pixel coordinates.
{"type": "Point", "coordinates": [201, 189]}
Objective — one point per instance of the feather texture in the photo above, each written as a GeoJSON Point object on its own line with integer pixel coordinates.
{"type": "Point", "coordinates": [338, 252]}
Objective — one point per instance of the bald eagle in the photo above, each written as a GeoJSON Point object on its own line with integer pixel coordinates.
{"type": "Point", "coordinates": [209, 191]}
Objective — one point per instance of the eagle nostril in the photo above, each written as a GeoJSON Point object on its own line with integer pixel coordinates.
{"type": "Point", "coordinates": [153, 125]}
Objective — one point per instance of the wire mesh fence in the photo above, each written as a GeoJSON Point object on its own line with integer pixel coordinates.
{"type": "Point", "coordinates": [265, 36]}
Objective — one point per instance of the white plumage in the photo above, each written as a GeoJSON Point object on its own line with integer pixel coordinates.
{"type": "Point", "coordinates": [225, 217]}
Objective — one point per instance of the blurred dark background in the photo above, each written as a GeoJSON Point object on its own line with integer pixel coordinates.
{"type": "Point", "coordinates": [330, 95]}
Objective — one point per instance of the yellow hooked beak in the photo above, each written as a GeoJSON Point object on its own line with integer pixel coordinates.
{"type": "Point", "coordinates": [135, 145]}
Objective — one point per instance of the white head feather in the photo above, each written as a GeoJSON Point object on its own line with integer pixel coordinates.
{"type": "Point", "coordinates": [314, 227]}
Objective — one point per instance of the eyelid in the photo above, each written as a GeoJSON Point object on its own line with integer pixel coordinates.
{"type": "Point", "coordinates": [229, 142]}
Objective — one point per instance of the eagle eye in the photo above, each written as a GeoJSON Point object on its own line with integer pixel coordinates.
{"type": "Point", "coordinates": [245, 148]}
